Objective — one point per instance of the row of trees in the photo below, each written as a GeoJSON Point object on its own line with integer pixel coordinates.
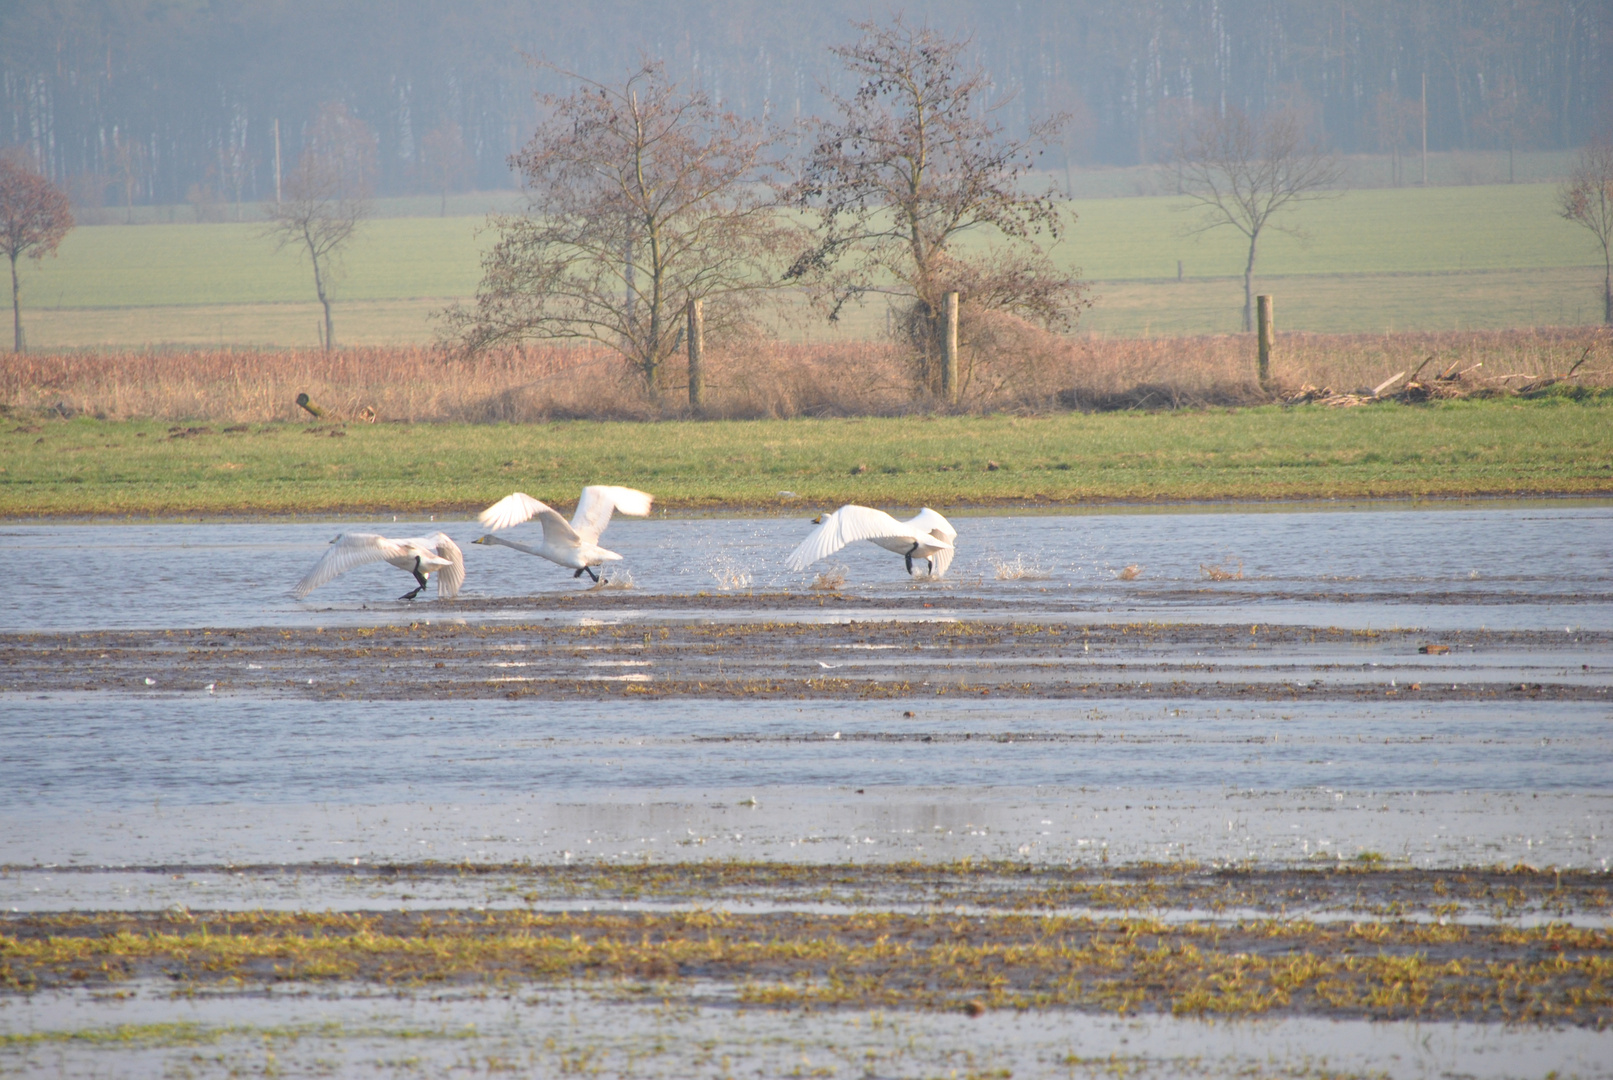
{"type": "Point", "coordinates": [648, 201]}
{"type": "Point", "coordinates": [142, 100]}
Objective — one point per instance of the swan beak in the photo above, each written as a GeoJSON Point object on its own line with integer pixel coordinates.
{"type": "Point", "coordinates": [480, 540]}
{"type": "Point", "coordinates": [818, 520]}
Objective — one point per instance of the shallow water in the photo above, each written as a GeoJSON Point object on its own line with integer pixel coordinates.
{"type": "Point", "coordinates": [561, 1031]}
{"type": "Point", "coordinates": [187, 779]}
{"type": "Point", "coordinates": [1528, 567]}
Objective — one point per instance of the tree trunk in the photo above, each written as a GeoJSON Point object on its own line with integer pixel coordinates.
{"type": "Point", "coordinates": [1249, 289]}
{"type": "Point", "coordinates": [16, 309]}
{"type": "Point", "coordinates": [319, 288]}
{"type": "Point", "coordinates": [1607, 290]}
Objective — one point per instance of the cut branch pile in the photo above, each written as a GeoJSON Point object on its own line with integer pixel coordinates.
{"type": "Point", "coordinates": [1452, 384]}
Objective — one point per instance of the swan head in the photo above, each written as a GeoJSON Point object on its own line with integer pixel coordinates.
{"type": "Point", "coordinates": [818, 520]}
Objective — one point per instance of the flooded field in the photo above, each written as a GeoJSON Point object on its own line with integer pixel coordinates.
{"type": "Point", "coordinates": [1531, 567]}
{"type": "Point", "coordinates": [1339, 742]}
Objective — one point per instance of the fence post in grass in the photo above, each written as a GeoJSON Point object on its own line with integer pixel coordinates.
{"type": "Point", "coordinates": [949, 356]}
{"type": "Point", "coordinates": [697, 353]}
{"type": "Point", "coordinates": [1267, 332]}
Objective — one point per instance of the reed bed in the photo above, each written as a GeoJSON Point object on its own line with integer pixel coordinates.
{"type": "Point", "coordinates": [1023, 371]}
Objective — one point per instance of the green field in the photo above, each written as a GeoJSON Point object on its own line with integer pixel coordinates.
{"type": "Point", "coordinates": [96, 468]}
{"type": "Point", "coordinates": [1376, 260]}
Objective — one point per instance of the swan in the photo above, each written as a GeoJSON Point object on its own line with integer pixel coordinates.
{"type": "Point", "coordinates": [573, 544]}
{"type": "Point", "coordinates": [422, 556]}
{"type": "Point", "coordinates": [926, 536]}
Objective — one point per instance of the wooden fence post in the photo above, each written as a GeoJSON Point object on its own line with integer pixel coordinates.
{"type": "Point", "coordinates": [697, 353]}
{"type": "Point", "coordinates": [1268, 333]}
{"type": "Point", "coordinates": [949, 358]}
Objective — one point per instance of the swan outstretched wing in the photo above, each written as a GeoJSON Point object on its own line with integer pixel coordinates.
{"type": "Point", "coordinates": [345, 552]}
{"type": "Point", "coordinates": [597, 504]}
{"type": "Point", "coordinates": [840, 528]}
{"type": "Point", "coordinates": [511, 511]}
{"type": "Point", "coordinates": [450, 577]}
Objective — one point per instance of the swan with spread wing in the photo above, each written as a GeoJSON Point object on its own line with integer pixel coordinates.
{"type": "Point", "coordinates": [927, 536]}
{"type": "Point", "coordinates": [573, 544]}
{"type": "Point", "coordinates": [422, 556]}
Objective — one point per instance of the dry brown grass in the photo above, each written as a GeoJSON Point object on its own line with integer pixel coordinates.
{"type": "Point", "coordinates": [1018, 368]}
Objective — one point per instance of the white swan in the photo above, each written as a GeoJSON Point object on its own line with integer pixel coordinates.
{"type": "Point", "coordinates": [573, 544]}
{"type": "Point", "coordinates": [422, 556]}
{"type": "Point", "coordinates": [926, 536]}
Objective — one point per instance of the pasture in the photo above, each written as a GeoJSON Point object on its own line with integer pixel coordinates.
{"type": "Point", "coordinates": [84, 467]}
{"type": "Point", "coordinates": [1374, 260]}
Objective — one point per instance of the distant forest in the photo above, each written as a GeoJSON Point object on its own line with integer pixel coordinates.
{"type": "Point", "coordinates": [141, 101]}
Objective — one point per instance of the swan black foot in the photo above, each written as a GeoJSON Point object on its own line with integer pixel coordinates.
{"type": "Point", "coordinates": [418, 576]}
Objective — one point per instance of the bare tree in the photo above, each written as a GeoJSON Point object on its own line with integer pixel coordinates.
{"type": "Point", "coordinates": [1587, 199]}
{"type": "Point", "coordinates": [235, 168]}
{"type": "Point", "coordinates": [34, 216]}
{"type": "Point", "coordinates": [1394, 120]}
{"type": "Point", "coordinates": [641, 198]}
{"type": "Point", "coordinates": [904, 169]}
{"type": "Point", "coordinates": [1512, 117]}
{"type": "Point", "coordinates": [444, 162]}
{"type": "Point", "coordinates": [128, 170]}
{"type": "Point", "coordinates": [326, 198]}
{"type": "Point", "coordinates": [1245, 171]}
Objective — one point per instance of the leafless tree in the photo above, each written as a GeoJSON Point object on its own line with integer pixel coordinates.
{"type": "Point", "coordinates": [1512, 117]}
{"type": "Point", "coordinates": [326, 199]}
{"type": "Point", "coordinates": [128, 170]}
{"type": "Point", "coordinates": [1244, 172]}
{"type": "Point", "coordinates": [34, 216]}
{"type": "Point", "coordinates": [1394, 120]}
{"type": "Point", "coordinates": [909, 165]}
{"type": "Point", "coordinates": [444, 162]}
{"type": "Point", "coordinates": [1587, 199]}
{"type": "Point", "coordinates": [235, 166]}
{"type": "Point", "coordinates": [641, 198]}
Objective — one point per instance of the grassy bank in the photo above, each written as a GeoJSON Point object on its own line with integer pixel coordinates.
{"type": "Point", "coordinates": [85, 467]}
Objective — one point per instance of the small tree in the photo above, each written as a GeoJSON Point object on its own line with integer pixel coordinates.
{"type": "Point", "coordinates": [908, 165]}
{"type": "Point", "coordinates": [1587, 199]}
{"type": "Point", "coordinates": [444, 162]}
{"type": "Point", "coordinates": [1513, 118]}
{"type": "Point", "coordinates": [34, 216]}
{"type": "Point", "coordinates": [1394, 121]}
{"type": "Point", "coordinates": [1244, 171]}
{"type": "Point", "coordinates": [326, 198]}
{"type": "Point", "coordinates": [641, 198]}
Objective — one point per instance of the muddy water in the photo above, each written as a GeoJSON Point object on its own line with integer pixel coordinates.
{"type": "Point", "coordinates": [559, 1032]}
{"type": "Point", "coordinates": [1526, 567]}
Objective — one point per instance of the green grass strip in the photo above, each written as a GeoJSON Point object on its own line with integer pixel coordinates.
{"type": "Point", "coordinates": [89, 468]}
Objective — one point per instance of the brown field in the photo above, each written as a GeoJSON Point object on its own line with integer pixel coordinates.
{"type": "Point", "coordinates": [1030, 372]}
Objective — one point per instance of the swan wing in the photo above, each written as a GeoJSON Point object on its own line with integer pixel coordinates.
{"type": "Point", "coordinates": [928, 521]}
{"type": "Point", "coordinates": [452, 576]}
{"type": "Point", "coordinates": [597, 504]}
{"type": "Point", "coordinates": [345, 552]}
{"type": "Point", "coordinates": [511, 511]}
{"type": "Point", "coordinates": [840, 528]}
{"type": "Point", "coordinates": [557, 531]}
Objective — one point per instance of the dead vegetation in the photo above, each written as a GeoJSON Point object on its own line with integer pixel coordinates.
{"type": "Point", "coordinates": [1027, 370]}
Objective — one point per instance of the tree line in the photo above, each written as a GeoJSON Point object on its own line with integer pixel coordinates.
{"type": "Point", "coordinates": [141, 101]}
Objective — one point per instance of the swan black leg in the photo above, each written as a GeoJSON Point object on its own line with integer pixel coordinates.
{"type": "Point", "coordinates": [591, 574]}
{"type": "Point", "coordinates": [578, 574]}
{"type": "Point", "coordinates": [418, 576]}
{"type": "Point", "coordinates": [909, 557]}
